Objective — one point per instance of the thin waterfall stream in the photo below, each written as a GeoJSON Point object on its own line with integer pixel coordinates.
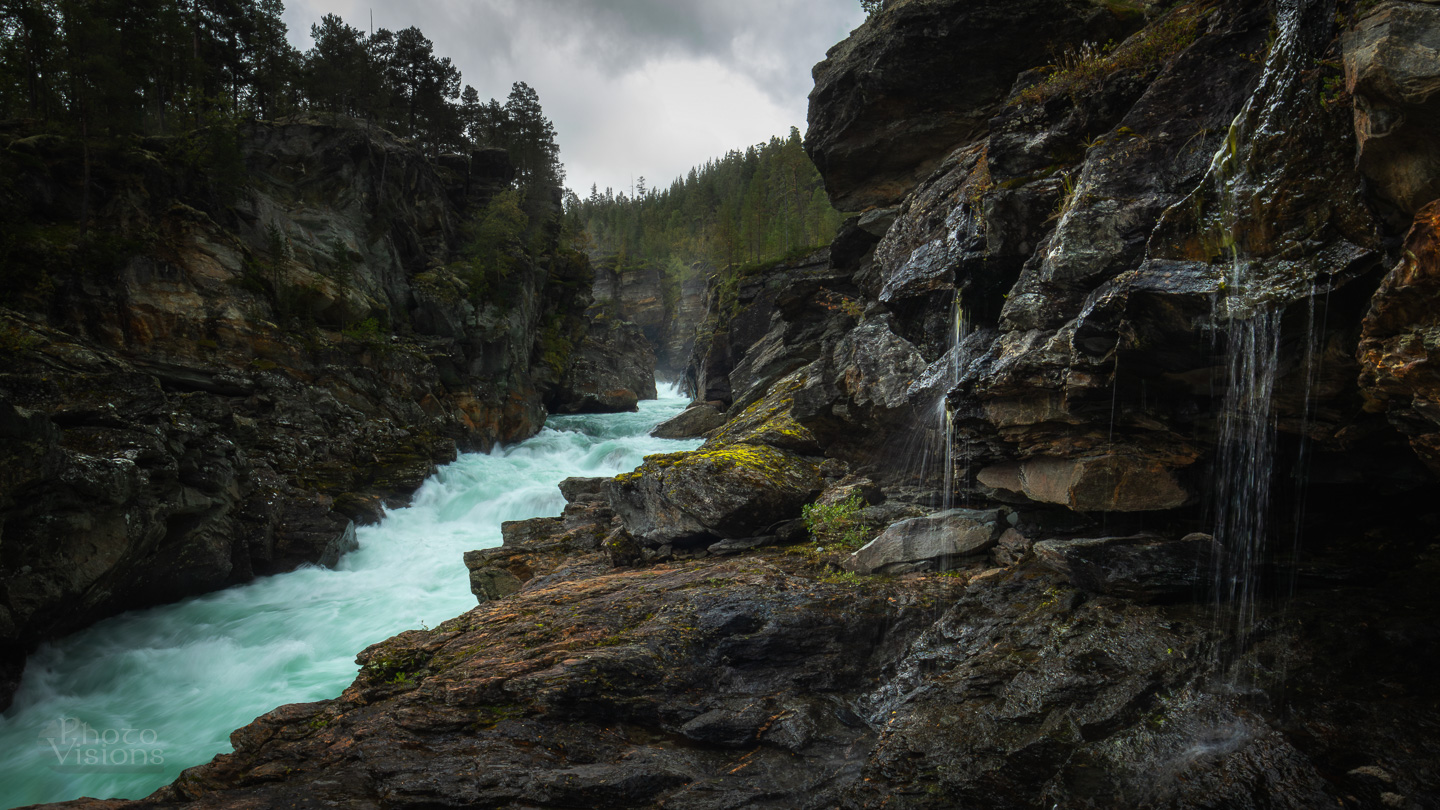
{"type": "Point", "coordinates": [933, 438]}
{"type": "Point", "coordinates": [1248, 316]}
{"type": "Point", "coordinates": [119, 709]}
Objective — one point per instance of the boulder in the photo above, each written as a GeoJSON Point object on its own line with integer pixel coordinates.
{"type": "Point", "coordinates": [489, 582]}
{"type": "Point", "coordinates": [692, 423]}
{"type": "Point", "coordinates": [931, 543]}
{"type": "Point", "coordinates": [1392, 68]}
{"type": "Point", "coordinates": [688, 500]}
{"type": "Point", "coordinates": [583, 489]}
{"type": "Point", "coordinates": [1145, 568]}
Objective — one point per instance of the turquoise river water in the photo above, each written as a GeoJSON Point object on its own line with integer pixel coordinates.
{"type": "Point", "coordinates": [119, 709]}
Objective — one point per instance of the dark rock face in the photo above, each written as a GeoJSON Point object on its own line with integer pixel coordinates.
{"type": "Point", "coordinates": [255, 372]}
{"type": "Point", "coordinates": [667, 311]}
{"type": "Point", "coordinates": [1143, 568]}
{"type": "Point", "coordinates": [1391, 69]}
{"type": "Point", "coordinates": [1398, 340]}
{"type": "Point", "coordinates": [692, 423]}
{"type": "Point", "coordinates": [611, 370]}
{"type": "Point", "coordinates": [923, 77]}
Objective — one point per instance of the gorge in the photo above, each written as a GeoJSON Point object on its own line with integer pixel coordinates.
{"type": "Point", "coordinates": [1149, 286]}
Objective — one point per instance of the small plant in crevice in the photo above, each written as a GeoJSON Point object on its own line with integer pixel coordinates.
{"type": "Point", "coordinates": [369, 333]}
{"type": "Point", "coordinates": [838, 524]}
{"type": "Point", "coordinates": [1082, 69]}
{"type": "Point", "coordinates": [839, 302]}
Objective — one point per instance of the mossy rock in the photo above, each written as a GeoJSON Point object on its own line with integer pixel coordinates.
{"type": "Point", "coordinates": [681, 501]}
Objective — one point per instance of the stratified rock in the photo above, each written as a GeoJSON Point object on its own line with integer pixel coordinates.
{"type": "Point", "coordinates": [1392, 67]}
{"type": "Point", "coordinates": [692, 423]}
{"type": "Point", "coordinates": [1108, 483]}
{"type": "Point", "coordinates": [932, 543]}
{"type": "Point", "coordinates": [534, 549]}
{"type": "Point", "coordinates": [1145, 568]}
{"type": "Point", "coordinates": [920, 78]}
{"type": "Point", "coordinates": [610, 371]}
{"type": "Point", "coordinates": [683, 500]}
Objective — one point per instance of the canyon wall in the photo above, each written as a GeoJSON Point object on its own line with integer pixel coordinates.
{"type": "Point", "coordinates": [258, 343]}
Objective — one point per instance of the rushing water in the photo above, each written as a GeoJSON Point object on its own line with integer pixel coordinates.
{"type": "Point", "coordinates": [121, 708]}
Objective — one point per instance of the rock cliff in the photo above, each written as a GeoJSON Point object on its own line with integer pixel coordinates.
{"type": "Point", "coordinates": [668, 310]}
{"type": "Point", "coordinates": [236, 364]}
{"type": "Point", "coordinates": [1126, 328]}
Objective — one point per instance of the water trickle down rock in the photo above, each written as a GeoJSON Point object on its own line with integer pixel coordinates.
{"type": "Point", "coordinates": [1257, 200]}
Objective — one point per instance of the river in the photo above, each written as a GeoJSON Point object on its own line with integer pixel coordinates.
{"type": "Point", "coordinates": [121, 708]}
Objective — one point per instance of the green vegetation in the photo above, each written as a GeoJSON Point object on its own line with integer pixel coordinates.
{"type": "Point", "coordinates": [100, 69]}
{"type": "Point", "coordinates": [370, 334]}
{"type": "Point", "coordinates": [838, 524]}
{"type": "Point", "coordinates": [747, 207]}
{"type": "Point", "coordinates": [1081, 70]}
{"type": "Point", "coordinates": [493, 247]}
{"type": "Point", "coordinates": [737, 215]}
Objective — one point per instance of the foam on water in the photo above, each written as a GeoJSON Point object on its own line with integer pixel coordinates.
{"type": "Point", "coordinates": [167, 685]}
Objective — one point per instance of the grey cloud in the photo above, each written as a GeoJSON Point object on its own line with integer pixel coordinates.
{"type": "Point", "coordinates": [578, 55]}
{"type": "Point", "coordinates": [775, 42]}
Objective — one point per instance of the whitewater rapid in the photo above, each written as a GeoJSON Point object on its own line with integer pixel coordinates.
{"type": "Point", "coordinates": [119, 709]}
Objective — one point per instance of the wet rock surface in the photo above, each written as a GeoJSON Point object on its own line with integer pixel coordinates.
{"type": "Point", "coordinates": [1397, 345]}
{"type": "Point", "coordinates": [692, 423]}
{"type": "Point", "coordinates": [753, 681]}
{"type": "Point", "coordinates": [1143, 568]}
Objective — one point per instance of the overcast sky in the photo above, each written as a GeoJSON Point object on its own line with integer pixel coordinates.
{"type": "Point", "coordinates": [634, 87]}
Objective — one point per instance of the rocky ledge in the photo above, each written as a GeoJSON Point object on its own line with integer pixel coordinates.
{"type": "Point", "coordinates": [770, 680]}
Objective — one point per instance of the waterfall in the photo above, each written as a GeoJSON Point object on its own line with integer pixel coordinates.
{"type": "Point", "coordinates": [1245, 466]}
{"type": "Point", "coordinates": [119, 709]}
{"type": "Point", "coordinates": [1242, 185]}
{"type": "Point", "coordinates": [933, 439]}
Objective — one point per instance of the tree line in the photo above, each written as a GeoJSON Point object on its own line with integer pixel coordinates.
{"type": "Point", "coordinates": [747, 207]}
{"type": "Point", "coordinates": [118, 67]}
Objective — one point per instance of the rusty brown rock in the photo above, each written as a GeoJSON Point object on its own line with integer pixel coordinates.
{"type": "Point", "coordinates": [1400, 340]}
